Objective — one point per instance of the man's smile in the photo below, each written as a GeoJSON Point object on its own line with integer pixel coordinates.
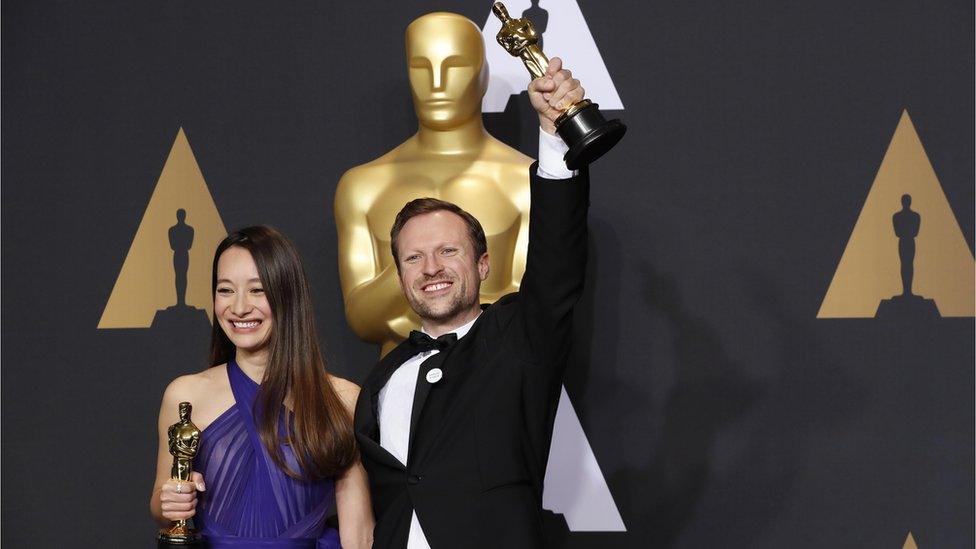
{"type": "Point", "coordinates": [435, 287]}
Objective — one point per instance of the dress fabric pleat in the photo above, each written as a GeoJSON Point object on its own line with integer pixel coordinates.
{"type": "Point", "coordinates": [249, 501]}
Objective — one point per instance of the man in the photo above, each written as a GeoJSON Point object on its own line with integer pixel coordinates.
{"type": "Point", "coordinates": [455, 423]}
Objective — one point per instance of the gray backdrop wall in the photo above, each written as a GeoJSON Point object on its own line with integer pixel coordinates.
{"type": "Point", "coordinates": [721, 410]}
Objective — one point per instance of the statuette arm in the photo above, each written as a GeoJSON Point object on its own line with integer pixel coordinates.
{"type": "Point", "coordinates": [374, 304]}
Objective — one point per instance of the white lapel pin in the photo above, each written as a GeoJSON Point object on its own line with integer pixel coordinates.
{"type": "Point", "coordinates": [434, 375]}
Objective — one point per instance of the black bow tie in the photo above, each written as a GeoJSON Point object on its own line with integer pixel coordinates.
{"type": "Point", "coordinates": [421, 342]}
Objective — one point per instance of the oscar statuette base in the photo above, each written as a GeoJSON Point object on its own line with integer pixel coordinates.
{"type": "Point", "coordinates": [168, 539]}
{"type": "Point", "coordinates": [587, 133]}
{"type": "Point", "coordinates": [180, 534]}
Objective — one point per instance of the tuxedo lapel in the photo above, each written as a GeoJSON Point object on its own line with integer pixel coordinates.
{"type": "Point", "coordinates": [367, 416]}
{"type": "Point", "coordinates": [421, 392]}
{"type": "Point", "coordinates": [372, 449]}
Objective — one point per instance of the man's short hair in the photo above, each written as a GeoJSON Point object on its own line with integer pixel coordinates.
{"type": "Point", "coordinates": [421, 206]}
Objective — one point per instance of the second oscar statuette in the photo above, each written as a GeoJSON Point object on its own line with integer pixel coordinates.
{"type": "Point", "coordinates": [184, 441]}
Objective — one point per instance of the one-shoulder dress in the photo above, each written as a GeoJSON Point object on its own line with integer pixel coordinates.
{"type": "Point", "coordinates": [250, 502]}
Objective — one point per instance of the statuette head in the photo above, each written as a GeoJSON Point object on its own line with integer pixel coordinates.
{"type": "Point", "coordinates": [185, 409]}
{"type": "Point", "coordinates": [447, 69]}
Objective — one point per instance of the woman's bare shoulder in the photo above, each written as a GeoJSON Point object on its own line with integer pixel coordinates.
{"type": "Point", "coordinates": [208, 392]}
{"type": "Point", "coordinates": [348, 391]}
{"type": "Point", "coordinates": [193, 387]}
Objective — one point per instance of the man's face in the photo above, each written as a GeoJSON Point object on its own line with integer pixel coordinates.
{"type": "Point", "coordinates": [439, 274]}
{"type": "Point", "coordinates": [445, 57]}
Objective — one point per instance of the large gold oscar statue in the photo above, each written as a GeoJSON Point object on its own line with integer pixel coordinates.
{"type": "Point", "coordinates": [451, 157]}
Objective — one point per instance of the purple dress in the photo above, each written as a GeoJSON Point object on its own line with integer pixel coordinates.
{"type": "Point", "coordinates": [250, 502]}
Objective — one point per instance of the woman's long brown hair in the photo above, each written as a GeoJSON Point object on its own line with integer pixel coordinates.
{"type": "Point", "coordinates": [320, 432]}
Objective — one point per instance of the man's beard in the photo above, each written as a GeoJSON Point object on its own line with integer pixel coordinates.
{"type": "Point", "coordinates": [459, 303]}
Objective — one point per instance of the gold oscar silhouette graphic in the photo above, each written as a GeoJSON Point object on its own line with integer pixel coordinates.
{"type": "Point", "coordinates": [906, 224]}
{"type": "Point", "coordinates": [907, 256]}
{"type": "Point", "coordinates": [181, 314]}
{"type": "Point", "coordinates": [180, 241]}
{"type": "Point", "coordinates": [162, 252]}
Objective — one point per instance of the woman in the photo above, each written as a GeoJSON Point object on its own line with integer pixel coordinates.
{"type": "Point", "coordinates": [277, 439]}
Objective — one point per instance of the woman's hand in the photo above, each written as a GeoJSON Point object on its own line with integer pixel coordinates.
{"type": "Point", "coordinates": [179, 497]}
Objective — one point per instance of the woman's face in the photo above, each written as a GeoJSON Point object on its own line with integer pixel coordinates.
{"type": "Point", "coordinates": [240, 304]}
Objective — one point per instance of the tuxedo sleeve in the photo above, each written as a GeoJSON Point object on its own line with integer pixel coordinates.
{"type": "Point", "coordinates": [556, 264]}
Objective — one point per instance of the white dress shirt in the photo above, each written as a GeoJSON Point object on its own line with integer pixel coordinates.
{"type": "Point", "coordinates": [395, 404]}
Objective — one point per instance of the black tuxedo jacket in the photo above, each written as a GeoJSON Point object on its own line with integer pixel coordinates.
{"type": "Point", "coordinates": [479, 437]}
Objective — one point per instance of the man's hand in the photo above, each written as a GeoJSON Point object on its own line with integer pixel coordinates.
{"type": "Point", "coordinates": [179, 498]}
{"type": "Point", "coordinates": [553, 93]}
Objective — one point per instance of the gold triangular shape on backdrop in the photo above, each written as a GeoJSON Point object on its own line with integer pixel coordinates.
{"type": "Point", "coordinates": [910, 542]}
{"type": "Point", "coordinates": [146, 283]}
{"type": "Point", "coordinates": [869, 269]}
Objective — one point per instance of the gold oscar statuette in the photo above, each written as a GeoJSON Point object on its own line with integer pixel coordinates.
{"type": "Point", "coordinates": [184, 441]}
{"type": "Point", "coordinates": [581, 126]}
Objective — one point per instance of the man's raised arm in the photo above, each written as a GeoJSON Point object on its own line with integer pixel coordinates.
{"type": "Point", "coordinates": [556, 261]}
